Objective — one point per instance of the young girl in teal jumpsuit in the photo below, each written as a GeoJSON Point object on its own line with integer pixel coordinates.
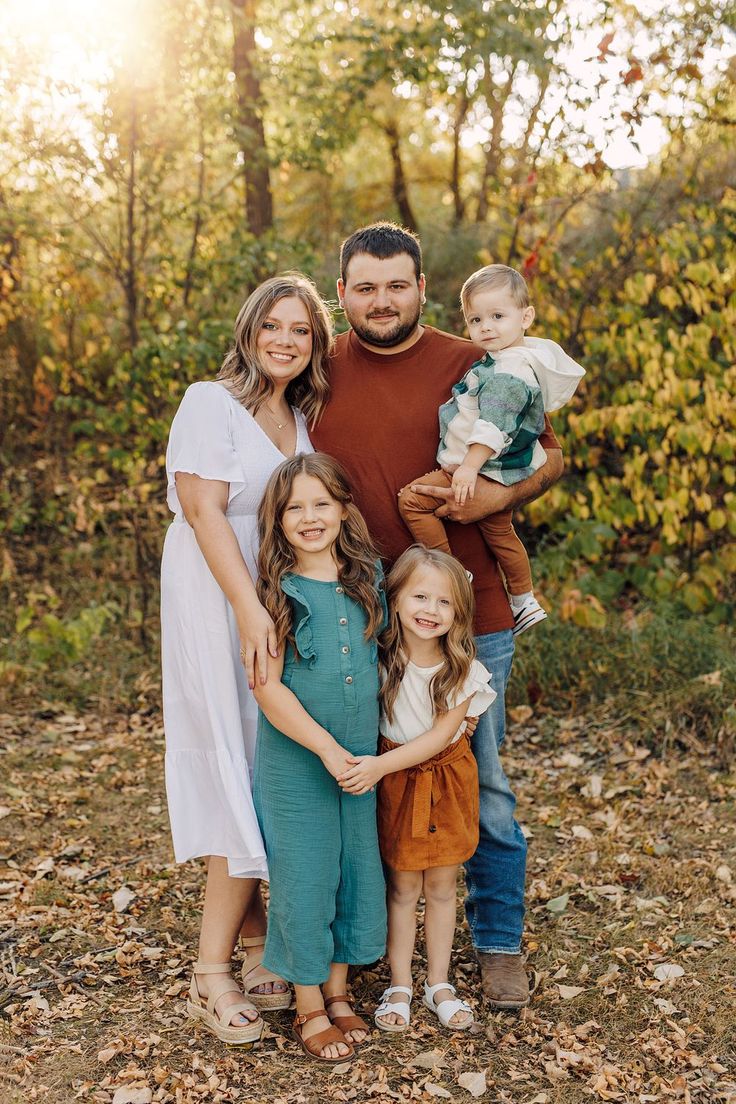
{"type": "Point", "coordinates": [319, 580]}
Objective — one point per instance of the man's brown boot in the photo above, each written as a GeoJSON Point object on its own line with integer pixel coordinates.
{"type": "Point", "coordinates": [504, 980]}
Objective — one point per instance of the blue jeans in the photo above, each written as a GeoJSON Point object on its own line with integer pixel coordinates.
{"type": "Point", "coordinates": [495, 875]}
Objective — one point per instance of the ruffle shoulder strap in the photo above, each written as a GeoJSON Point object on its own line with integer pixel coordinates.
{"type": "Point", "coordinates": [304, 639]}
{"type": "Point", "coordinates": [477, 687]}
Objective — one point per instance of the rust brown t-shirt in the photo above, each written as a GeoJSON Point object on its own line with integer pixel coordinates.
{"type": "Point", "coordinates": [381, 424]}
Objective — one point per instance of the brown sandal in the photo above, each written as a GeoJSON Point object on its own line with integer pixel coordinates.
{"type": "Point", "coordinates": [347, 1023]}
{"type": "Point", "coordinates": [314, 1044]}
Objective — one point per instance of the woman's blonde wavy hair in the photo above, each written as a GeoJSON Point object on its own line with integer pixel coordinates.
{"type": "Point", "coordinates": [242, 370]}
{"type": "Point", "coordinates": [354, 551]}
{"type": "Point", "coordinates": [457, 645]}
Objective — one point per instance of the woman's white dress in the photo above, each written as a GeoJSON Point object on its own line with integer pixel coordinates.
{"type": "Point", "coordinates": [210, 715]}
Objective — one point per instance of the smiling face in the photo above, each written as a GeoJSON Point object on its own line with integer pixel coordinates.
{"type": "Point", "coordinates": [425, 605]}
{"type": "Point", "coordinates": [495, 321]}
{"type": "Point", "coordinates": [312, 518]}
{"type": "Point", "coordinates": [382, 299]}
{"type": "Point", "coordinates": [284, 341]}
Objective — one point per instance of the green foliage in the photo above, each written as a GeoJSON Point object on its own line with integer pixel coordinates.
{"type": "Point", "coordinates": [47, 639]}
{"type": "Point", "coordinates": [661, 672]}
{"type": "Point", "coordinates": [125, 256]}
{"type": "Point", "coordinates": [653, 433]}
{"type": "Point", "coordinates": [80, 642]}
{"type": "Point", "coordinates": [57, 641]}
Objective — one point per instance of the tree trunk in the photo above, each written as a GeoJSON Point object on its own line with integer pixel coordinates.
{"type": "Point", "coordinates": [197, 227]}
{"type": "Point", "coordinates": [399, 186]}
{"type": "Point", "coordinates": [523, 165]}
{"type": "Point", "coordinates": [496, 102]}
{"type": "Point", "coordinates": [18, 342]}
{"type": "Point", "coordinates": [514, 243]}
{"type": "Point", "coordinates": [460, 114]}
{"type": "Point", "coordinates": [130, 275]}
{"type": "Point", "coordinates": [251, 134]}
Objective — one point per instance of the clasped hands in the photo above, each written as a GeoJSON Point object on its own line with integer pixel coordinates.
{"type": "Point", "coordinates": [363, 773]}
{"type": "Point", "coordinates": [356, 774]}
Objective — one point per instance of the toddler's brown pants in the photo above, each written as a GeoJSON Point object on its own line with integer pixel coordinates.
{"type": "Point", "coordinates": [498, 531]}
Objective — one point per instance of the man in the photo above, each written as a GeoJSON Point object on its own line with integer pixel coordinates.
{"type": "Point", "coordinates": [389, 375]}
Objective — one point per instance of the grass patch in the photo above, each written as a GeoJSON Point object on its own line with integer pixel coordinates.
{"type": "Point", "coordinates": [662, 674]}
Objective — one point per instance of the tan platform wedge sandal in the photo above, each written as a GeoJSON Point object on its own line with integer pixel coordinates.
{"type": "Point", "coordinates": [219, 1023]}
{"type": "Point", "coordinates": [253, 975]}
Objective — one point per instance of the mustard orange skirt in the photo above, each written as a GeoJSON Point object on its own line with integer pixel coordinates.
{"type": "Point", "coordinates": [428, 814]}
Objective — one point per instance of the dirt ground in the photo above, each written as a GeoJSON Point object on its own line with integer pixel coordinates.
{"type": "Point", "coordinates": [631, 935]}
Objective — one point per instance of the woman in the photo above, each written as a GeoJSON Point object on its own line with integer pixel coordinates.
{"type": "Point", "coordinates": [226, 438]}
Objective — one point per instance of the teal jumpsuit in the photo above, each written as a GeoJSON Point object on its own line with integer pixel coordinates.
{"type": "Point", "coordinates": [327, 893]}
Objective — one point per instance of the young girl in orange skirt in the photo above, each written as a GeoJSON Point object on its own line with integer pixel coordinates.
{"type": "Point", "coordinates": [428, 792]}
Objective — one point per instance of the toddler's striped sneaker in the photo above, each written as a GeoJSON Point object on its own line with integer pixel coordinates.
{"type": "Point", "coordinates": [527, 614]}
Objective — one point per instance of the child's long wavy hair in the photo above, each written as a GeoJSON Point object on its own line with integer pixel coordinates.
{"type": "Point", "coordinates": [457, 645]}
{"type": "Point", "coordinates": [354, 551]}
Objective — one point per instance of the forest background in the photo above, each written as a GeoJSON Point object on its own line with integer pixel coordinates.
{"type": "Point", "coordinates": [158, 158]}
{"type": "Point", "coordinates": [161, 158]}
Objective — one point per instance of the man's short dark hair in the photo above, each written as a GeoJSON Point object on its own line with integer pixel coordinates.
{"type": "Point", "coordinates": [382, 240]}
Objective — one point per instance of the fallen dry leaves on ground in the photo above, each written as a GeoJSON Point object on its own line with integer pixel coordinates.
{"type": "Point", "coordinates": [631, 932]}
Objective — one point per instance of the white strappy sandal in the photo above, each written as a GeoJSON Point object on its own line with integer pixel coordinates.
{"type": "Point", "coordinates": [446, 1009]}
{"type": "Point", "coordinates": [399, 1008]}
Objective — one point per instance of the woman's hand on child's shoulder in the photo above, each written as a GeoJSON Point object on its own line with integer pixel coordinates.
{"type": "Point", "coordinates": [258, 641]}
{"type": "Point", "coordinates": [362, 775]}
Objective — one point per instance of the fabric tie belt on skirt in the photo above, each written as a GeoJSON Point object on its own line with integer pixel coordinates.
{"type": "Point", "coordinates": [423, 775]}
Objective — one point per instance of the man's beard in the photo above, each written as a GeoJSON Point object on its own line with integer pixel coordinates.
{"type": "Point", "coordinates": [384, 339]}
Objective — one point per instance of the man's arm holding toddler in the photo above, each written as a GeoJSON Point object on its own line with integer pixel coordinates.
{"type": "Point", "coordinates": [491, 497]}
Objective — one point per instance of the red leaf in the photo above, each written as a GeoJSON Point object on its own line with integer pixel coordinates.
{"type": "Point", "coordinates": [604, 46]}
{"type": "Point", "coordinates": [634, 74]}
{"type": "Point", "coordinates": [530, 265]}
